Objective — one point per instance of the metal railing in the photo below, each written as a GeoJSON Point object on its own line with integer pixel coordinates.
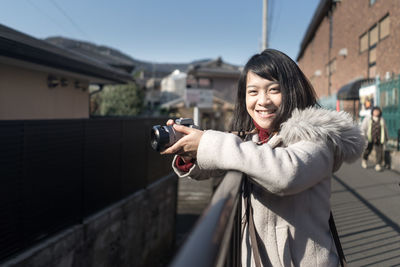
{"type": "Point", "coordinates": [215, 241]}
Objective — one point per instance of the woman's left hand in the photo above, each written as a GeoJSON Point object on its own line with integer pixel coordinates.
{"type": "Point", "coordinates": [187, 146]}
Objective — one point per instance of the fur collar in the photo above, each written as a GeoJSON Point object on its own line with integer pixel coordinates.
{"type": "Point", "coordinates": [316, 124]}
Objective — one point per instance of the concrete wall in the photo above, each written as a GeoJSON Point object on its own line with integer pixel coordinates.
{"type": "Point", "coordinates": [137, 231]}
{"type": "Point", "coordinates": [24, 94]}
{"type": "Point", "coordinates": [351, 19]}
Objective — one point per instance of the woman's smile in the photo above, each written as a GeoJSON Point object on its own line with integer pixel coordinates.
{"type": "Point", "coordinates": [265, 113]}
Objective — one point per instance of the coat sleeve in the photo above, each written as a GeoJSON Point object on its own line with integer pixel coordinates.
{"type": "Point", "coordinates": [196, 173]}
{"type": "Point", "coordinates": [281, 170]}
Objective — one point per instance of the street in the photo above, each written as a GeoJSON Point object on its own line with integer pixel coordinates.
{"type": "Point", "coordinates": [365, 205]}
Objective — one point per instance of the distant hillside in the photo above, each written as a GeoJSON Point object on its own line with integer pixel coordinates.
{"type": "Point", "coordinates": [118, 59]}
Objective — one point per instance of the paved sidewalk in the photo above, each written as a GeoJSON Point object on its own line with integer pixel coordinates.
{"type": "Point", "coordinates": [193, 198]}
{"type": "Point", "coordinates": [366, 207]}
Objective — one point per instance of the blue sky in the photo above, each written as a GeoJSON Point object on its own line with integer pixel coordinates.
{"type": "Point", "coordinates": [166, 31]}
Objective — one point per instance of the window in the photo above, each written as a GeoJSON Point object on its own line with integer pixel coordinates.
{"type": "Point", "coordinates": [372, 71]}
{"type": "Point", "coordinates": [370, 39]}
{"type": "Point", "coordinates": [204, 83]}
{"type": "Point", "coordinates": [371, 2]}
{"type": "Point", "coordinates": [364, 42]}
{"type": "Point", "coordinates": [372, 56]}
{"type": "Point", "coordinates": [378, 32]}
{"type": "Point", "coordinates": [384, 27]}
{"type": "Point", "coordinates": [191, 82]}
{"type": "Point", "coordinates": [373, 35]}
{"type": "Point", "coordinates": [372, 62]}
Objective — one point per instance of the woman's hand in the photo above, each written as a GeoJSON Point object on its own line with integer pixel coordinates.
{"type": "Point", "coordinates": [187, 146]}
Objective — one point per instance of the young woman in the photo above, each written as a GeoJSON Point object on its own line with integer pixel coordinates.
{"type": "Point", "coordinates": [289, 156]}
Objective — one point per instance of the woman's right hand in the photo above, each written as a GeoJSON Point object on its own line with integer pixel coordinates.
{"type": "Point", "coordinates": [170, 122]}
{"type": "Point", "coordinates": [185, 159]}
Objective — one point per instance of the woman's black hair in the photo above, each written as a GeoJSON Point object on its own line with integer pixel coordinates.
{"type": "Point", "coordinates": [376, 108]}
{"type": "Point", "coordinates": [297, 91]}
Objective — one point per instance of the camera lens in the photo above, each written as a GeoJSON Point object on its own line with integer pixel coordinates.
{"type": "Point", "coordinates": [159, 138]}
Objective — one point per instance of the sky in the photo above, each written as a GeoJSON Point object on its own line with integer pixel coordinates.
{"type": "Point", "coordinates": [174, 31]}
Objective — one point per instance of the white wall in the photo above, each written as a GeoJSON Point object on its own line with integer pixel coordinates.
{"type": "Point", "coordinates": [174, 83]}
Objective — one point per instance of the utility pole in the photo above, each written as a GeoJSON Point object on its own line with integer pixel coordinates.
{"type": "Point", "coordinates": [265, 25]}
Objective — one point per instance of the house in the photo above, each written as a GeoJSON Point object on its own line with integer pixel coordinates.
{"type": "Point", "coordinates": [209, 94]}
{"type": "Point", "coordinates": [217, 75]}
{"type": "Point", "coordinates": [73, 186]}
{"type": "Point", "coordinates": [40, 80]}
{"type": "Point", "coordinates": [349, 43]}
{"type": "Point", "coordinates": [173, 86]}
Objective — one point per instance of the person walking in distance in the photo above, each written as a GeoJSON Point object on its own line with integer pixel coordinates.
{"type": "Point", "coordinates": [375, 130]}
{"type": "Point", "coordinates": [288, 155]}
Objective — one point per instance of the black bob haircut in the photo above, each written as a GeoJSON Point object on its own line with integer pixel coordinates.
{"type": "Point", "coordinates": [376, 108]}
{"type": "Point", "coordinates": [297, 91]}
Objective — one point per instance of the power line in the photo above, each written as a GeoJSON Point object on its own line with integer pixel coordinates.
{"type": "Point", "coordinates": [70, 19]}
{"type": "Point", "coordinates": [48, 16]}
{"type": "Point", "coordinates": [275, 17]}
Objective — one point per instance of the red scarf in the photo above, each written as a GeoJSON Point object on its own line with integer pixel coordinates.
{"type": "Point", "coordinates": [263, 134]}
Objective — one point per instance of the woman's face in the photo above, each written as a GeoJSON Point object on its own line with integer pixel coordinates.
{"type": "Point", "coordinates": [376, 113]}
{"type": "Point", "coordinates": [263, 98]}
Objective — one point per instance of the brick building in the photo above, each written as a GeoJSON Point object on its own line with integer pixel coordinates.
{"type": "Point", "coordinates": [349, 40]}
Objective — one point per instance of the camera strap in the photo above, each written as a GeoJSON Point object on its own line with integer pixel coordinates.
{"type": "Point", "coordinates": [248, 217]}
{"type": "Point", "coordinates": [249, 221]}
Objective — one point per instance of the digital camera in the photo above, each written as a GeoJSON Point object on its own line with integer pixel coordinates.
{"type": "Point", "coordinates": [163, 137]}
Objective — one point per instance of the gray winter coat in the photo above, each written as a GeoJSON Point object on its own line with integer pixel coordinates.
{"type": "Point", "coordinates": [292, 183]}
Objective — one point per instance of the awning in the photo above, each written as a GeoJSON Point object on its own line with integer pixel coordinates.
{"type": "Point", "coordinates": [350, 90]}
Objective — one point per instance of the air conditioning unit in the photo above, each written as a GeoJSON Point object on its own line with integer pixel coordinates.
{"type": "Point", "coordinates": [343, 52]}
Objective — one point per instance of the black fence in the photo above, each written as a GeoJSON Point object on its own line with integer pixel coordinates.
{"type": "Point", "coordinates": [54, 173]}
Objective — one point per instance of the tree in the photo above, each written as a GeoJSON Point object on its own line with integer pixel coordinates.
{"type": "Point", "coordinates": [119, 100]}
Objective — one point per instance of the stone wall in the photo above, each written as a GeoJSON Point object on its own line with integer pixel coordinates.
{"type": "Point", "coordinates": [137, 231]}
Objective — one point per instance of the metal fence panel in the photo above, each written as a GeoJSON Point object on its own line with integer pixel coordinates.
{"type": "Point", "coordinates": [54, 173]}
{"type": "Point", "coordinates": [390, 104]}
{"type": "Point", "coordinates": [11, 136]}
{"type": "Point", "coordinates": [102, 163]}
{"type": "Point", "coordinates": [134, 151]}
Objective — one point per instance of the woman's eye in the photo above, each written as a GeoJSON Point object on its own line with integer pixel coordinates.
{"type": "Point", "coordinates": [275, 89]}
{"type": "Point", "coordinates": [252, 92]}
